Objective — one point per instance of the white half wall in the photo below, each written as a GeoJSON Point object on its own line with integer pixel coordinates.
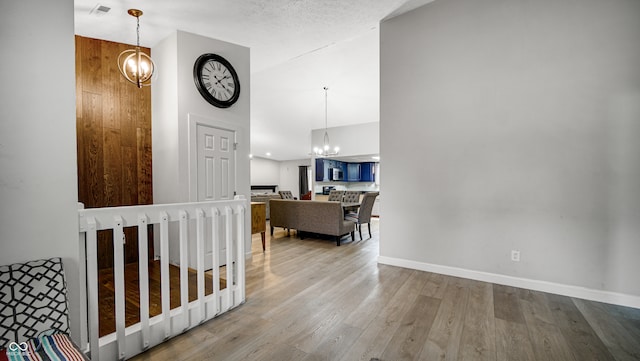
{"type": "Point", "coordinates": [513, 126]}
{"type": "Point", "coordinates": [38, 170]}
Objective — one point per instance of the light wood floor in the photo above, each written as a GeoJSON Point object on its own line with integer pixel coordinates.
{"type": "Point", "coordinates": [310, 300]}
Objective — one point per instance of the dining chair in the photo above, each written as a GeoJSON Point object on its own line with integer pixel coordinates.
{"type": "Point", "coordinates": [351, 197]}
{"type": "Point", "coordinates": [363, 215]}
{"type": "Point", "coordinates": [286, 194]}
{"type": "Point", "coordinates": [335, 195]}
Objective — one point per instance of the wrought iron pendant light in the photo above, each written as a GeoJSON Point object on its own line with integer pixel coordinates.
{"type": "Point", "coordinates": [136, 66]}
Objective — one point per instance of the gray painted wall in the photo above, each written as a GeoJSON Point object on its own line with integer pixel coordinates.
{"type": "Point", "coordinates": [265, 171]}
{"type": "Point", "coordinates": [353, 140]}
{"type": "Point", "coordinates": [175, 98]}
{"type": "Point", "coordinates": [289, 175]}
{"type": "Point", "coordinates": [283, 174]}
{"type": "Point", "coordinates": [38, 171]}
{"type": "Point", "coordinates": [514, 125]}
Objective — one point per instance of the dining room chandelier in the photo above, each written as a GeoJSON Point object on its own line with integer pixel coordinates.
{"type": "Point", "coordinates": [325, 150]}
{"type": "Point", "coordinates": [136, 66]}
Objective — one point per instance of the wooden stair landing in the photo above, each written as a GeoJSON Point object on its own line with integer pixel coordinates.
{"type": "Point", "coordinates": [106, 293]}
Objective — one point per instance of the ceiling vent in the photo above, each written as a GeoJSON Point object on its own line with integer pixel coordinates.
{"type": "Point", "coordinates": [99, 10]}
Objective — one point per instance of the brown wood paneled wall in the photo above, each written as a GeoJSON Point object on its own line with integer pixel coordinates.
{"type": "Point", "coordinates": [114, 138]}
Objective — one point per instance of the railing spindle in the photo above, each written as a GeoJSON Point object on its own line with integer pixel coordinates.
{"type": "Point", "coordinates": [118, 280]}
{"type": "Point", "coordinates": [200, 220]}
{"type": "Point", "coordinates": [165, 289]}
{"type": "Point", "coordinates": [143, 276]}
{"type": "Point", "coordinates": [240, 256]}
{"type": "Point", "coordinates": [215, 232]}
{"type": "Point", "coordinates": [184, 269]}
{"type": "Point", "coordinates": [229, 243]}
{"type": "Point", "coordinates": [92, 288]}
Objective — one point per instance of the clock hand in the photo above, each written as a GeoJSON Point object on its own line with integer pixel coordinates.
{"type": "Point", "coordinates": [223, 78]}
{"type": "Point", "coordinates": [218, 81]}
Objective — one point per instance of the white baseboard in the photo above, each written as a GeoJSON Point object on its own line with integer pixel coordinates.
{"type": "Point", "coordinates": [536, 285]}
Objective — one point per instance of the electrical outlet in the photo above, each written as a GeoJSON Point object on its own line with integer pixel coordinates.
{"type": "Point", "coordinates": [515, 256]}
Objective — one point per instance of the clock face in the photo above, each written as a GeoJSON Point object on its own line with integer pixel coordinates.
{"type": "Point", "coordinates": [216, 80]}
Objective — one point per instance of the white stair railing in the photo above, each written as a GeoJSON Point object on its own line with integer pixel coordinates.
{"type": "Point", "coordinates": [175, 227]}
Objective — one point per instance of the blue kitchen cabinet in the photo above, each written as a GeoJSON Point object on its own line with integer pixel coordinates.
{"type": "Point", "coordinates": [368, 172]}
{"type": "Point", "coordinates": [320, 170]}
{"type": "Point", "coordinates": [353, 172]}
{"type": "Point", "coordinates": [325, 169]}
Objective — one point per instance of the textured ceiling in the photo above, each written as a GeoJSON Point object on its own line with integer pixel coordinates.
{"type": "Point", "coordinates": [278, 32]}
{"type": "Point", "coordinates": [275, 30]}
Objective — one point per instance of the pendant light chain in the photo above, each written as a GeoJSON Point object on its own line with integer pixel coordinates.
{"type": "Point", "coordinates": [325, 107]}
{"type": "Point", "coordinates": [138, 31]}
{"type": "Point", "coordinates": [138, 62]}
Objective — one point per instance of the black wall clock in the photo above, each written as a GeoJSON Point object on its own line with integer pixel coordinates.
{"type": "Point", "coordinates": [216, 80]}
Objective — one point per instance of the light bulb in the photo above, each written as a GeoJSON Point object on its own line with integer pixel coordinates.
{"type": "Point", "coordinates": [144, 66]}
{"type": "Point", "coordinates": [132, 65]}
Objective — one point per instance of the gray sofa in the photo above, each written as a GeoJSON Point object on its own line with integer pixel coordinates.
{"type": "Point", "coordinates": [265, 198]}
{"type": "Point", "coordinates": [312, 217]}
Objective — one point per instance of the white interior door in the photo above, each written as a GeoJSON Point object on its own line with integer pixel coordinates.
{"type": "Point", "coordinates": [216, 174]}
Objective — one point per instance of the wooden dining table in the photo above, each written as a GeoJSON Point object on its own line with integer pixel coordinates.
{"type": "Point", "coordinates": [350, 206]}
